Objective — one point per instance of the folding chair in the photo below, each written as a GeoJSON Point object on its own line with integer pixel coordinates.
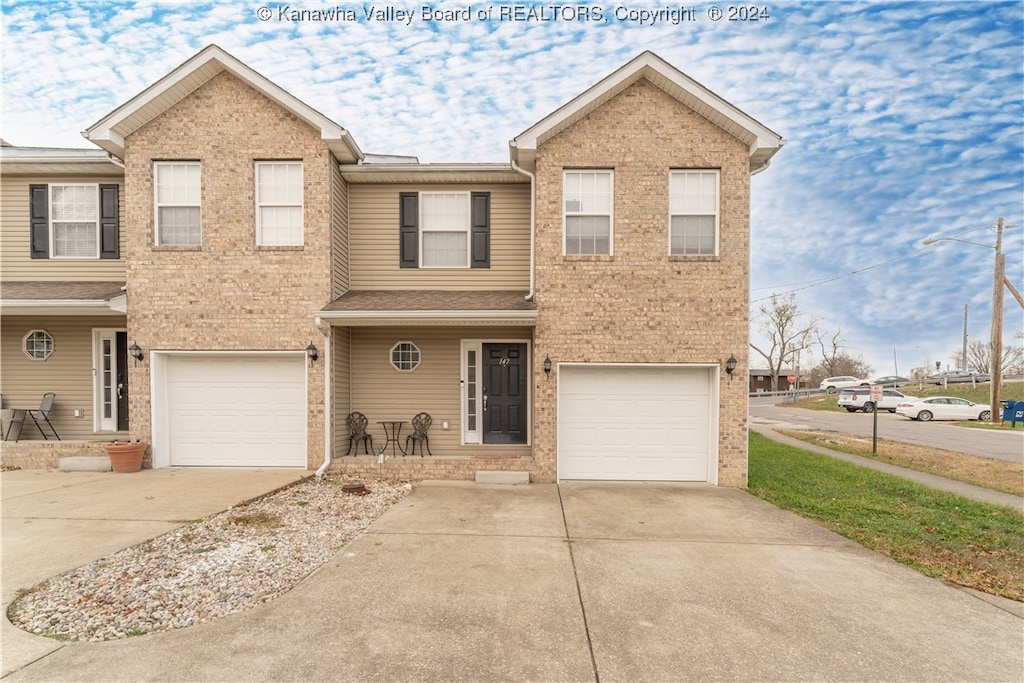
{"type": "Point", "coordinates": [44, 412]}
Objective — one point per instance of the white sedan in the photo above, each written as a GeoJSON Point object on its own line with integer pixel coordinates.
{"type": "Point", "coordinates": [944, 408]}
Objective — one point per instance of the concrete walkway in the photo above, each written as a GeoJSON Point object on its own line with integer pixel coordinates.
{"type": "Point", "coordinates": [582, 582]}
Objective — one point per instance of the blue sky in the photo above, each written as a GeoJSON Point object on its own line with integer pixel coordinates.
{"type": "Point", "coordinates": [904, 120]}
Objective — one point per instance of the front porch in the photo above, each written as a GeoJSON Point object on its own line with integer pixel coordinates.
{"type": "Point", "coordinates": [464, 358]}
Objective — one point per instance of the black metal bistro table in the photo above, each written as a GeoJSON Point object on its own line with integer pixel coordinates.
{"type": "Point", "coordinates": [392, 436]}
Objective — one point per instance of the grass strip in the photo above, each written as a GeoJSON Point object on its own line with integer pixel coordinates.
{"type": "Point", "coordinates": [998, 475]}
{"type": "Point", "coordinates": [964, 542]}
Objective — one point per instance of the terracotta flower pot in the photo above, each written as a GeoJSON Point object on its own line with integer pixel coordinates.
{"type": "Point", "coordinates": [127, 456]}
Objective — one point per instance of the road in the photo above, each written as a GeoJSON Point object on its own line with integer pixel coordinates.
{"type": "Point", "coordinates": [998, 445]}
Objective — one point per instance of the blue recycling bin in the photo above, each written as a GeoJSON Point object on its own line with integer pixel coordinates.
{"type": "Point", "coordinates": [1013, 412]}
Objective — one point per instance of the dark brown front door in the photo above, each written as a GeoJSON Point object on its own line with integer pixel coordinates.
{"type": "Point", "coordinates": [505, 391]}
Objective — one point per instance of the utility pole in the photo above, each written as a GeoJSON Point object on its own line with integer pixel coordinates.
{"type": "Point", "coordinates": [997, 328]}
{"type": "Point", "coordinates": [963, 358]}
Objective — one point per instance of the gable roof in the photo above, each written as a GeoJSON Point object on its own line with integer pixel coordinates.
{"type": "Point", "coordinates": [111, 131]}
{"type": "Point", "coordinates": [762, 140]}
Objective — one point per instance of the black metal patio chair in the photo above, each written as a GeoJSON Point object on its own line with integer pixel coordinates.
{"type": "Point", "coordinates": [357, 432]}
{"type": "Point", "coordinates": [420, 425]}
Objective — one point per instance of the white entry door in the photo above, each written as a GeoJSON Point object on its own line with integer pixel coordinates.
{"type": "Point", "coordinates": [236, 410]}
{"type": "Point", "coordinates": [640, 422]}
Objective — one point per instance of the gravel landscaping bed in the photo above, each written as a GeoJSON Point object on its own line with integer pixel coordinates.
{"type": "Point", "coordinates": [208, 569]}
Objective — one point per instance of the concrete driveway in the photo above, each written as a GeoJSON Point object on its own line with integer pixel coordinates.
{"type": "Point", "coordinates": [583, 582]}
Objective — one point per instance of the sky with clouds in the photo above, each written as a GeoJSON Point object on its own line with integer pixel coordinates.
{"type": "Point", "coordinates": [904, 120]}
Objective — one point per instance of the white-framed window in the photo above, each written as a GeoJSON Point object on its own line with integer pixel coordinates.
{"type": "Point", "coordinates": [38, 344]}
{"type": "Point", "coordinates": [444, 229]}
{"type": "Point", "coordinates": [405, 356]}
{"type": "Point", "coordinates": [693, 209]}
{"type": "Point", "coordinates": [587, 201]}
{"type": "Point", "coordinates": [279, 203]}
{"type": "Point", "coordinates": [74, 221]}
{"type": "Point", "coordinates": [177, 191]}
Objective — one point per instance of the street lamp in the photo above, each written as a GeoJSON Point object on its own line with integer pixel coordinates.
{"type": "Point", "coordinates": [996, 362]}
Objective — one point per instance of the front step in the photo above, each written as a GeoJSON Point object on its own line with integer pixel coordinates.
{"type": "Point", "coordinates": [491, 477]}
{"type": "Point", "coordinates": [82, 463]}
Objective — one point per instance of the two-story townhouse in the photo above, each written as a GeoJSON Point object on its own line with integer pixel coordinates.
{"type": "Point", "coordinates": [575, 313]}
{"type": "Point", "coordinates": [62, 297]}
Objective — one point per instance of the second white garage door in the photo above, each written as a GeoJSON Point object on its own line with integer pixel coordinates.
{"type": "Point", "coordinates": [228, 410]}
{"type": "Point", "coordinates": [634, 423]}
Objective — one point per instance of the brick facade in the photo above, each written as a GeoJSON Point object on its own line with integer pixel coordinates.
{"type": "Point", "coordinates": [641, 305]}
{"type": "Point", "coordinates": [229, 294]}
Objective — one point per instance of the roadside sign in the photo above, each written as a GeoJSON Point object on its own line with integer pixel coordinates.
{"type": "Point", "coordinates": [791, 378]}
{"type": "Point", "coordinates": [876, 392]}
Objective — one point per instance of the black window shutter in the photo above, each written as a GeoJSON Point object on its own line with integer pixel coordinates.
{"type": "Point", "coordinates": [409, 230]}
{"type": "Point", "coordinates": [481, 230]}
{"type": "Point", "coordinates": [109, 224]}
{"type": "Point", "coordinates": [39, 221]}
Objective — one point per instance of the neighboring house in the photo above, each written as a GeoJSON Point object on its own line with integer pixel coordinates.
{"type": "Point", "coordinates": [761, 380]}
{"type": "Point", "coordinates": [568, 314]}
{"type": "Point", "coordinates": [63, 299]}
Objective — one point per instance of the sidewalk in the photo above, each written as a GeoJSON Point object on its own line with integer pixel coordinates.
{"type": "Point", "coordinates": [949, 485]}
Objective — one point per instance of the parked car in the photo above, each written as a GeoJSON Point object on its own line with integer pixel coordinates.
{"type": "Point", "coordinates": [955, 376]}
{"type": "Point", "coordinates": [834, 384]}
{"type": "Point", "coordinates": [860, 399]}
{"type": "Point", "coordinates": [891, 381]}
{"type": "Point", "coordinates": [944, 408]}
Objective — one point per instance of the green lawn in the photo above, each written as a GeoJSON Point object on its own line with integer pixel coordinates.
{"type": "Point", "coordinates": [955, 539]}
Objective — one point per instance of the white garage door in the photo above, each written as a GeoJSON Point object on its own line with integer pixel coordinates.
{"type": "Point", "coordinates": [634, 423]}
{"type": "Point", "coordinates": [227, 410]}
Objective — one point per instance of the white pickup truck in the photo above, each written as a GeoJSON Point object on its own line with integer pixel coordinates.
{"type": "Point", "coordinates": [860, 399]}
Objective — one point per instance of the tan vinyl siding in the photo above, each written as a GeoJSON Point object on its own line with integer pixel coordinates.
{"type": "Point", "coordinates": [68, 372]}
{"type": "Point", "coordinates": [380, 392]}
{"type": "Point", "coordinates": [374, 241]}
{"type": "Point", "coordinates": [15, 262]}
{"type": "Point", "coordinates": [339, 234]}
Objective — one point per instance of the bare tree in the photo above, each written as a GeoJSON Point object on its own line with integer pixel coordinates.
{"type": "Point", "coordinates": [784, 333]}
{"type": "Point", "coordinates": [979, 356]}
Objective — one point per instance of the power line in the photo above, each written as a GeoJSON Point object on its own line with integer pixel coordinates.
{"type": "Point", "coordinates": [800, 286]}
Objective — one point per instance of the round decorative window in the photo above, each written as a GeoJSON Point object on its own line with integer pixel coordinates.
{"type": "Point", "coordinates": [405, 356]}
{"type": "Point", "coordinates": [38, 345]}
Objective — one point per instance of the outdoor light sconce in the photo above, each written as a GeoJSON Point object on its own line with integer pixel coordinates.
{"type": "Point", "coordinates": [311, 352]}
{"type": "Point", "coordinates": [730, 366]}
{"type": "Point", "coordinates": [136, 352]}
{"type": "Point", "coordinates": [547, 367]}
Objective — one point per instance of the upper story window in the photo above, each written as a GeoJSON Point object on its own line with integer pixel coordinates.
{"type": "Point", "coordinates": [177, 191]}
{"type": "Point", "coordinates": [445, 229]}
{"type": "Point", "coordinates": [74, 221]}
{"type": "Point", "coordinates": [279, 203]}
{"type": "Point", "coordinates": [588, 212]}
{"type": "Point", "coordinates": [693, 209]}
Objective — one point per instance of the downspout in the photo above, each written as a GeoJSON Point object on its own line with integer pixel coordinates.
{"type": "Point", "coordinates": [533, 219]}
{"type": "Point", "coordinates": [328, 436]}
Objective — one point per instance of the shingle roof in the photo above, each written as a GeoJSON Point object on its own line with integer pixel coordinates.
{"type": "Point", "coordinates": [431, 300]}
{"type": "Point", "coordinates": [60, 291]}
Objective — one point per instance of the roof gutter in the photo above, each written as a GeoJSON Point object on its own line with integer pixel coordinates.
{"type": "Point", "coordinates": [533, 220]}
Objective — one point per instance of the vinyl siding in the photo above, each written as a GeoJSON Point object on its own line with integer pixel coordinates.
{"type": "Point", "coordinates": [374, 241]}
{"type": "Point", "coordinates": [380, 392]}
{"type": "Point", "coordinates": [339, 234]}
{"type": "Point", "coordinates": [68, 372]}
{"type": "Point", "coordinates": [15, 262]}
